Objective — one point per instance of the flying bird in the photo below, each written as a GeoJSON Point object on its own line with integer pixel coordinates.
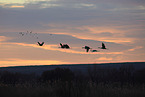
{"type": "Point", "coordinates": [87, 48]}
{"type": "Point", "coordinates": [35, 33]}
{"type": "Point", "coordinates": [103, 46]}
{"type": "Point", "coordinates": [21, 33]}
{"type": "Point", "coordinates": [40, 44]}
{"type": "Point", "coordinates": [64, 46]}
{"type": "Point", "coordinates": [94, 50]}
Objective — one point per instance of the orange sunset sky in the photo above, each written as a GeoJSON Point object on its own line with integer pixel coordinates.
{"type": "Point", "coordinates": [120, 24]}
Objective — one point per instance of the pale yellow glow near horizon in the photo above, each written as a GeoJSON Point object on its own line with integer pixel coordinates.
{"type": "Point", "coordinates": [13, 1]}
{"type": "Point", "coordinates": [105, 59]}
{"type": "Point", "coordinates": [21, 1]}
{"type": "Point", "coordinates": [20, 62]}
{"type": "Point", "coordinates": [17, 6]}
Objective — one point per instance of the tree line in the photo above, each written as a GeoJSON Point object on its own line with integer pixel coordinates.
{"type": "Point", "coordinates": [124, 74]}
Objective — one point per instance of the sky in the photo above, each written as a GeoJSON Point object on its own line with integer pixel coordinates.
{"type": "Point", "coordinates": [120, 24]}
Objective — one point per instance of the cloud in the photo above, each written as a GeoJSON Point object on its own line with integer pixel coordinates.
{"type": "Point", "coordinates": [103, 4]}
{"type": "Point", "coordinates": [107, 34]}
{"type": "Point", "coordinates": [104, 59]}
{"type": "Point", "coordinates": [24, 19]}
{"type": "Point", "coordinates": [133, 49]}
{"type": "Point", "coordinates": [3, 38]}
{"type": "Point", "coordinates": [95, 33]}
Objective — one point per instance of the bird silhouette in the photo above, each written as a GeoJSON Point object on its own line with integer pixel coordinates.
{"type": "Point", "coordinates": [21, 33]}
{"type": "Point", "coordinates": [103, 46]}
{"type": "Point", "coordinates": [94, 50]}
{"type": "Point", "coordinates": [64, 46]}
{"type": "Point", "coordinates": [40, 44]}
{"type": "Point", "coordinates": [87, 48]}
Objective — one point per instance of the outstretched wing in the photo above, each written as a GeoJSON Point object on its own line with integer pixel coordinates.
{"type": "Point", "coordinates": [87, 49]}
{"type": "Point", "coordinates": [61, 45]}
{"type": "Point", "coordinates": [42, 43]}
{"type": "Point", "coordinates": [103, 45]}
{"type": "Point", "coordinates": [67, 46]}
{"type": "Point", "coordinates": [39, 43]}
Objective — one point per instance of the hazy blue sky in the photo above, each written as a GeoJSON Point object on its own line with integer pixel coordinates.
{"type": "Point", "coordinates": [120, 24]}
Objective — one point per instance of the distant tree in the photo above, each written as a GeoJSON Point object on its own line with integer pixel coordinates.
{"type": "Point", "coordinates": [139, 76]}
{"type": "Point", "coordinates": [92, 73]}
{"type": "Point", "coordinates": [125, 73]}
{"type": "Point", "coordinates": [8, 77]}
{"type": "Point", "coordinates": [98, 74]}
{"type": "Point", "coordinates": [12, 78]}
{"type": "Point", "coordinates": [62, 74]}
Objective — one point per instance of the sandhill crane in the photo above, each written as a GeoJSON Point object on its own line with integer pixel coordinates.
{"type": "Point", "coordinates": [21, 33]}
{"type": "Point", "coordinates": [40, 44]}
{"type": "Point", "coordinates": [103, 46]}
{"type": "Point", "coordinates": [64, 46]}
{"type": "Point", "coordinates": [87, 48]}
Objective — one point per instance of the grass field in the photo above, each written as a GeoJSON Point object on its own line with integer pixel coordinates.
{"type": "Point", "coordinates": [71, 89]}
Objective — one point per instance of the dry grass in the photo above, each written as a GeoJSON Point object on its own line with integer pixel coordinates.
{"type": "Point", "coordinates": [72, 89]}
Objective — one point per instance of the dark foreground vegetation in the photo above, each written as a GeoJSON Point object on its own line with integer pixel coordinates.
{"type": "Point", "coordinates": [62, 82]}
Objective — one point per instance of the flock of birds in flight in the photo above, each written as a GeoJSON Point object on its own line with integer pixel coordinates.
{"type": "Point", "coordinates": [63, 46]}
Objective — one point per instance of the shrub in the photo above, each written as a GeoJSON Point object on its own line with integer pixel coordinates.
{"type": "Point", "coordinates": [62, 74]}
